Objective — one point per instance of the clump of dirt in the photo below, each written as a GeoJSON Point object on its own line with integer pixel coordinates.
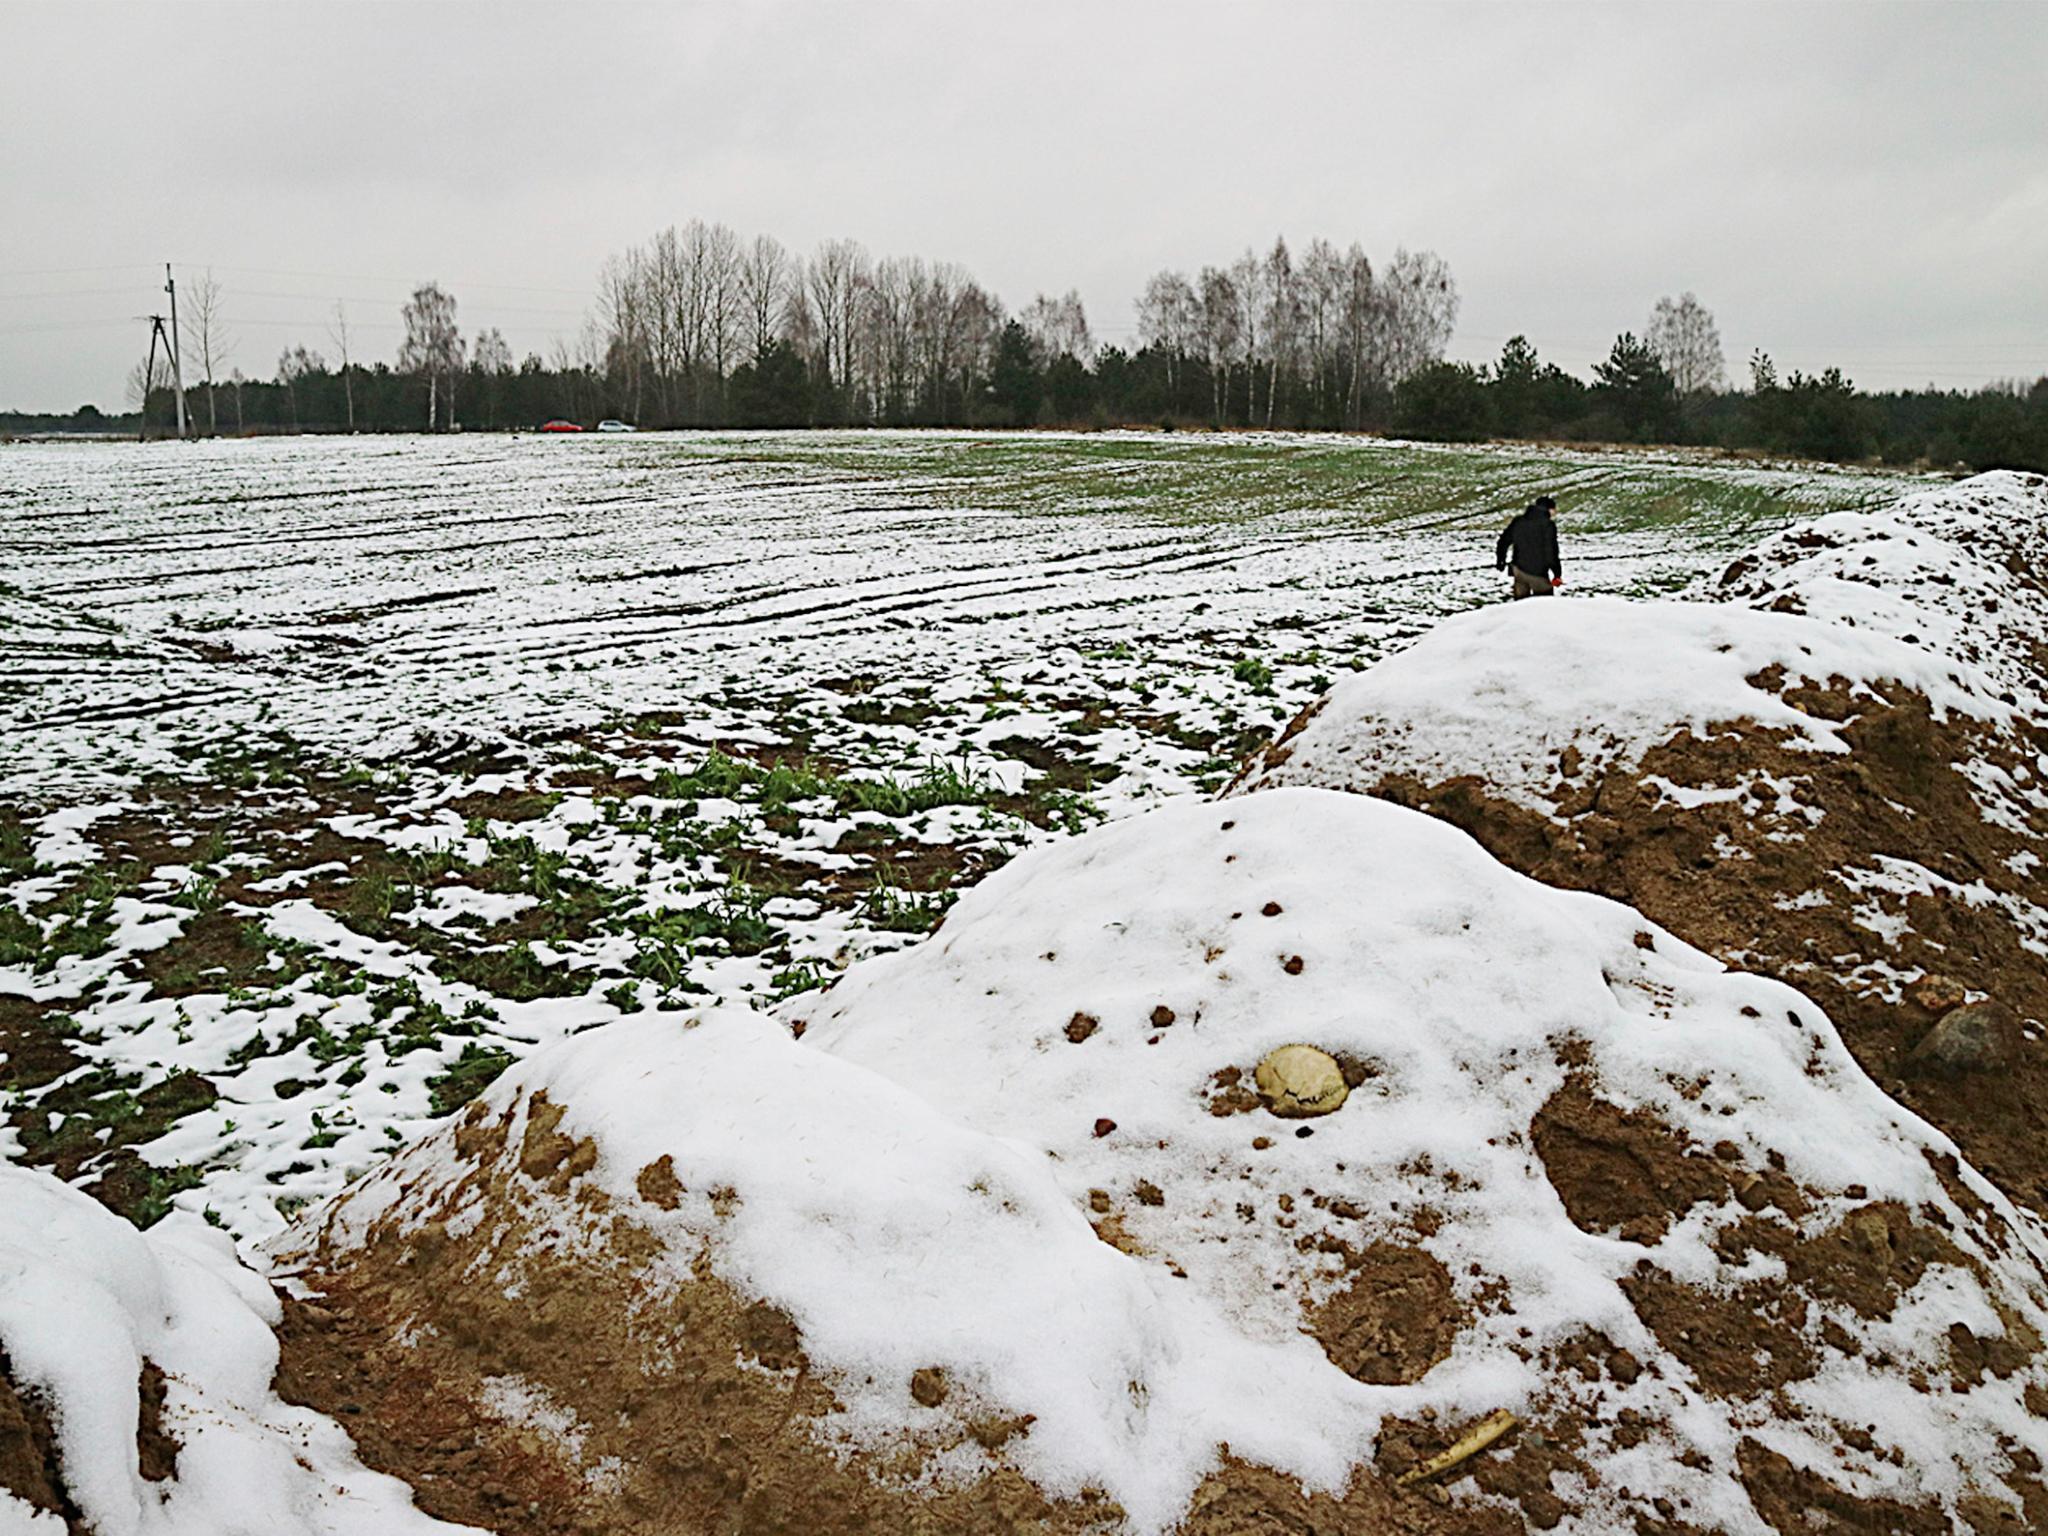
{"type": "Point", "coordinates": [1797, 1502]}
{"type": "Point", "coordinates": [695, 1407]}
{"type": "Point", "coordinates": [1739, 1343]}
{"type": "Point", "coordinates": [1393, 1320]}
{"type": "Point", "coordinates": [658, 1184]}
{"type": "Point", "coordinates": [156, 1448]}
{"type": "Point", "coordinates": [1621, 1171]}
{"type": "Point", "coordinates": [29, 1466]}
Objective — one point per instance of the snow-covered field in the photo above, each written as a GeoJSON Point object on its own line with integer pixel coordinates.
{"type": "Point", "coordinates": [345, 776]}
{"type": "Point", "coordinates": [343, 771]}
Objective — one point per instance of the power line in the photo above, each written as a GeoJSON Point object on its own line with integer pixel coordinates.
{"type": "Point", "coordinates": [358, 298]}
{"type": "Point", "coordinates": [68, 293]}
{"type": "Point", "coordinates": [61, 325]}
{"type": "Point", "coordinates": [125, 266]}
{"type": "Point", "coordinates": [407, 283]}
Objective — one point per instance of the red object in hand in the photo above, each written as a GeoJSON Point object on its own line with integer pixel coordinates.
{"type": "Point", "coordinates": [1556, 582]}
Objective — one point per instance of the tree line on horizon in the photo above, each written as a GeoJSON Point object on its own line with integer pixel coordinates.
{"type": "Point", "coordinates": [699, 328]}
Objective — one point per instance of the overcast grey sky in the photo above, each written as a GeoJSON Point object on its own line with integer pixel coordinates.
{"type": "Point", "coordinates": [1856, 184]}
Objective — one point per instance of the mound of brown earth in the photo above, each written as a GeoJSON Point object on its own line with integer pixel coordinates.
{"type": "Point", "coordinates": [942, 1261]}
{"type": "Point", "coordinates": [606, 1395]}
{"type": "Point", "coordinates": [1871, 831]}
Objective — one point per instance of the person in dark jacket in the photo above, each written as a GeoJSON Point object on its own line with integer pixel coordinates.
{"type": "Point", "coordinates": [1531, 539]}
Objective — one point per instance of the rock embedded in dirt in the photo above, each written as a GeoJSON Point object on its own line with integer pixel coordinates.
{"type": "Point", "coordinates": [1299, 1082]}
{"type": "Point", "coordinates": [1978, 1038]}
{"type": "Point", "coordinates": [1937, 994]}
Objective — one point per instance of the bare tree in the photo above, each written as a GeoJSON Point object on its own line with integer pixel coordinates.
{"type": "Point", "coordinates": [206, 337]}
{"type": "Point", "coordinates": [492, 353]}
{"type": "Point", "coordinates": [144, 379]}
{"type": "Point", "coordinates": [623, 312]}
{"type": "Point", "coordinates": [491, 357]}
{"type": "Point", "coordinates": [1359, 301]}
{"type": "Point", "coordinates": [1688, 344]}
{"type": "Point", "coordinates": [1221, 332]}
{"type": "Point", "coordinates": [1418, 309]}
{"type": "Point", "coordinates": [719, 269]}
{"type": "Point", "coordinates": [834, 280]}
{"type": "Point", "coordinates": [433, 345]}
{"type": "Point", "coordinates": [885, 348]}
{"type": "Point", "coordinates": [764, 291]}
{"type": "Point", "coordinates": [294, 364]}
{"type": "Point", "coordinates": [1058, 327]}
{"type": "Point", "coordinates": [1320, 298]}
{"type": "Point", "coordinates": [1281, 317]}
{"type": "Point", "coordinates": [1170, 321]}
{"type": "Point", "coordinates": [338, 334]}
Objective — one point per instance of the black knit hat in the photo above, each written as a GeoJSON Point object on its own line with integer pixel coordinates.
{"type": "Point", "coordinates": [1547, 503]}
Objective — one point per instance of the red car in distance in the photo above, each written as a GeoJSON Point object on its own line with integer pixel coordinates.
{"type": "Point", "coordinates": [560, 426]}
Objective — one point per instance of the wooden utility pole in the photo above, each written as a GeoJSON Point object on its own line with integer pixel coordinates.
{"type": "Point", "coordinates": [177, 376]}
{"type": "Point", "coordinates": [156, 329]}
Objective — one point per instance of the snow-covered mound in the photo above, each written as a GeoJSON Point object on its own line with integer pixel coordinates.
{"type": "Point", "coordinates": [1956, 570]}
{"type": "Point", "coordinates": [1833, 774]}
{"type": "Point", "coordinates": [1505, 693]}
{"type": "Point", "coordinates": [1940, 593]}
{"type": "Point", "coordinates": [135, 1395]}
{"type": "Point", "coordinates": [1007, 1235]}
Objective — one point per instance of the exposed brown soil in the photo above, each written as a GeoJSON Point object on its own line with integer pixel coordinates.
{"type": "Point", "coordinates": [1799, 1503]}
{"type": "Point", "coordinates": [514, 805]}
{"type": "Point", "coordinates": [703, 1396]}
{"type": "Point", "coordinates": [156, 1448]}
{"type": "Point", "coordinates": [1517, 1468]}
{"type": "Point", "coordinates": [1621, 1171]}
{"type": "Point", "coordinates": [28, 1453]}
{"type": "Point", "coordinates": [33, 1049]}
{"type": "Point", "coordinates": [1392, 1320]}
{"type": "Point", "coordinates": [214, 953]}
{"type": "Point", "coordinates": [1722, 876]}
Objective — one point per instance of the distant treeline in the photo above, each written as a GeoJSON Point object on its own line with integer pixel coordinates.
{"type": "Point", "coordinates": [1821, 417]}
{"type": "Point", "coordinates": [699, 328]}
{"type": "Point", "coordinates": [1632, 398]}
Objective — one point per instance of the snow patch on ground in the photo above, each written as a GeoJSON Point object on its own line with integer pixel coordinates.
{"type": "Point", "coordinates": [85, 1300]}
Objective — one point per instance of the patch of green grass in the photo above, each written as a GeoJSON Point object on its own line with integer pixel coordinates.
{"type": "Point", "coordinates": [1249, 669]}
{"type": "Point", "coordinates": [159, 1187]}
{"type": "Point", "coordinates": [721, 777]}
{"type": "Point", "coordinates": [513, 971]}
{"type": "Point", "coordinates": [21, 938]}
{"type": "Point", "coordinates": [17, 854]}
{"type": "Point", "coordinates": [467, 1076]}
{"type": "Point", "coordinates": [939, 782]}
{"type": "Point", "coordinates": [519, 865]}
{"type": "Point", "coordinates": [799, 976]}
{"type": "Point", "coordinates": [200, 892]}
{"type": "Point", "coordinates": [1064, 811]}
{"type": "Point", "coordinates": [893, 906]}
